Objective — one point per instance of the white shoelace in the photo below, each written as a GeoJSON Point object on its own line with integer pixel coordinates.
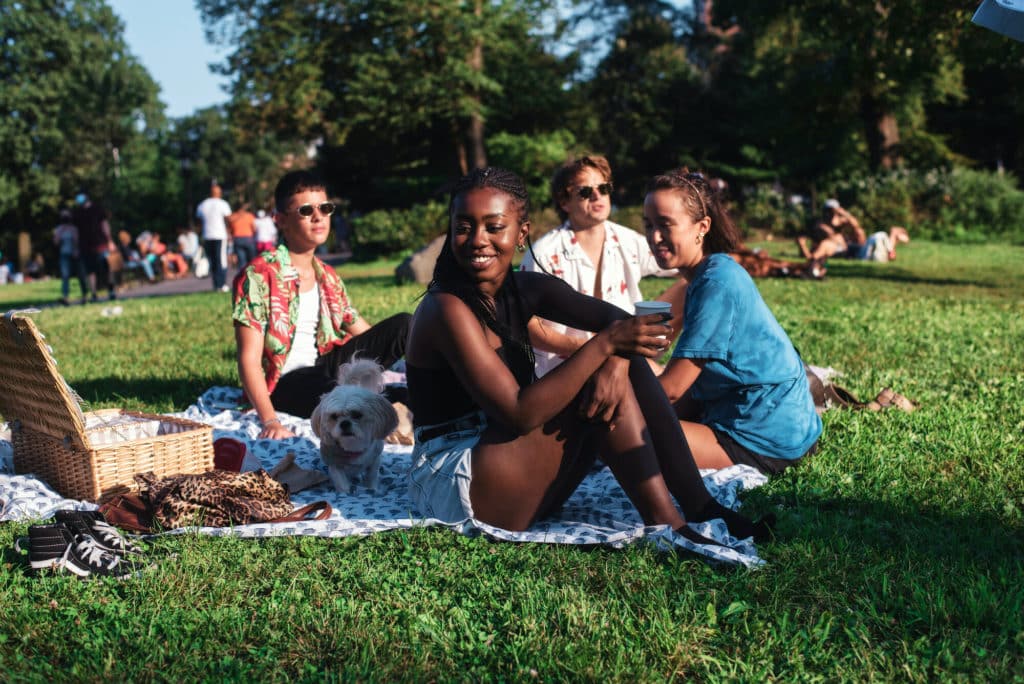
{"type": "Point", "coordinates": [93, 554]}
{"type": "Point", "coordinates": [111, 537]}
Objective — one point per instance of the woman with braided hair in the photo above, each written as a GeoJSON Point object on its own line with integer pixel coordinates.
{"type": "Point", "coordinates": [738, 384]}
{"type": "Point", "coordinates": [496, 444]}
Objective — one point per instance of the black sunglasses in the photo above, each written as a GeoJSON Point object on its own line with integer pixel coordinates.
{"type": "Point", "coordinates": [306, 210]}
{"type": "Point", "coordinates": [587, 191]}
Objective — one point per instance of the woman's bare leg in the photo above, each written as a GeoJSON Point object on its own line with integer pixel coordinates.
{"type": "Point", "coordinates": [801, 242]}
{"type": "Point", "coordinates": [676, 459]}
{"type": "Point", "coordinates": [707, 452]}
{"type": "Point", "coordinates": [828, 247]}
{"type": "Point", "coordinates": [516, 481]}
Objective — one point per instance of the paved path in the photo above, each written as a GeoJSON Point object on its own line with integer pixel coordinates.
{"type": "Point", "coordinates": [137, 289]}
{"type": "Point", "coordinates": [190, 284]}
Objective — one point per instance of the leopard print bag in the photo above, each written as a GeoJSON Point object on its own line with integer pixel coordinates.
{"type": "Point", "coordinates": [218, 498]}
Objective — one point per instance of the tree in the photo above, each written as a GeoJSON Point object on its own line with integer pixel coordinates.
{"type": "Point", "coordinates": [72, 100]}
{"type": "Point", "coordinates": [245, 163]}
{"type": "Point", "coordinates": [985, 125]}
{"type": "Point", "coordinates": [387, 69]}
{"type": "Point", "coordinates": [841, 65]}
{"type": "Point", "coordinates": [643, 95]}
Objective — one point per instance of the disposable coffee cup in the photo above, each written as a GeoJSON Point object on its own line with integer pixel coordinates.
{"type": "Point", "coordinates": [644, 308]}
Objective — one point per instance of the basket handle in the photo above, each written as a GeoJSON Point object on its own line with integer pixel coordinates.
{"type": "Point", "coordinates": [9, 322]}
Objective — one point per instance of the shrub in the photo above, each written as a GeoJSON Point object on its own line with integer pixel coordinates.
{"type": "Point", "coordinates": [391, 233]}
{"type": "Point", "coordinates": [534, 157]}
{"type": "Point", "coordinates": [765, 207]}
{"type": "Point", "coordinates": [963, 205]}
{"type": "Point", "coordinates": [974, 206]}
{"type": "Point", "coordinates": [881, 200]}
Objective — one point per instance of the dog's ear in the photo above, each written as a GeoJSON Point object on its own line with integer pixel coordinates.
{"type": "Point", "coordinates": [314, 419]}
{"type": "Point", "coordinates": [385, 418]}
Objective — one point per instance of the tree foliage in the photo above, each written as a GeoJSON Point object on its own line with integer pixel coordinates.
{"type": "Point", "coordinates": [391, 99]}
{"type": "Point", "coordinates": [388, 69]}
{"type": "Point", "coordinates": [858, 75]}
{"type": "Point", "coordinates": [210, 145]}
{"type": "Point", "coordinates": [73, 101]}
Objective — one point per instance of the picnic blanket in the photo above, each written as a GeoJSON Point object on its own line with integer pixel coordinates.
{"type": "Point", "coordinates": [598, 513]}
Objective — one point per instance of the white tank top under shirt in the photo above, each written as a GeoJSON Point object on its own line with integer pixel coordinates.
{"type": "Point", "coordinates": [303, 352]}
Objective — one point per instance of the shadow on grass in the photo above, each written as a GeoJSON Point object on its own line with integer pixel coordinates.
{"type": "Point", "coordinates": [981, 542]}
{"type": "Point", "coordinates": [167, 394]}
{"type": "Point", "coordinates": [897, 275]}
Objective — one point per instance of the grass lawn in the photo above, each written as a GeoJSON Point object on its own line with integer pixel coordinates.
{"type": "Point", "coordinates": [900, 553]}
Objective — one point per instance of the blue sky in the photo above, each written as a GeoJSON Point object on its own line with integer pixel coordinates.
{"type": "Point", "coordinates": [167, 37]}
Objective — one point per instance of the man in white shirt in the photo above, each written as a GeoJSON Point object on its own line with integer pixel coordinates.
{"type": "Point", "coordinates": [213, 212]}
{"type": "Point", "coordinates": [593, 255]}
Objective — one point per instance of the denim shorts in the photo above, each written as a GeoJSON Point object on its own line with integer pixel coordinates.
{"type": "Point", "coordinates": [442, 468]}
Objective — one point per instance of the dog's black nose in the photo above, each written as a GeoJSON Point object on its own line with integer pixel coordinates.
{"type": "Point", "coordinates": [346, 426]}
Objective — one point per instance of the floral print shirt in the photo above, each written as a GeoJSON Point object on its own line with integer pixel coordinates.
{"type": "Point", "coordinates": [626, 259]}
{"type": "Point", "coordinates": [266, 297]}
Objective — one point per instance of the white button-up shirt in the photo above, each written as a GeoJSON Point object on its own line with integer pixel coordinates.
{"type": "Point", "coordinates": [627, 258]}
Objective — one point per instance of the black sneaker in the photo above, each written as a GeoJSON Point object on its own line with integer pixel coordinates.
{"type": "Point", "coordinates": [96, 526]}
{"type": "Point", "coordinates": [55, 547]}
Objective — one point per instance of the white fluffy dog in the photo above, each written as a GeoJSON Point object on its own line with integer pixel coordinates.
{"type": "Point", "coordinates": [352, 421]}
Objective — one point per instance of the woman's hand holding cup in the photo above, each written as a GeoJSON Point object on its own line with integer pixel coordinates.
{"type": "Point", "coordinates": [664, 309]}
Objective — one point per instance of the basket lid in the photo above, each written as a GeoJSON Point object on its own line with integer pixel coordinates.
{"type": "Point", "coordinates": [32, 391]}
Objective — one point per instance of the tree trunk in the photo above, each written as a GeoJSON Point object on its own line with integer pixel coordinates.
{"type": "Point", "coordinates": [476, 141]}
{"type": "Point", "coordinates": [476, 120]}
{"type": "Point", "coordinates": [468, 131]}
{"type": "Point", "coordinates": [882, 132]}
{"type": "Point", "coordinates": [460, 148]}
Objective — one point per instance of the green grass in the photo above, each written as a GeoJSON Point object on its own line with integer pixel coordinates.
{"type": "Point", "coordinates": [900, 551]}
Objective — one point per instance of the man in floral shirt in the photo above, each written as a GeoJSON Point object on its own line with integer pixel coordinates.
{"type": "Point", "coordinates": [593, 255]}
{"type": "Point", "coordinates": [294, 323]}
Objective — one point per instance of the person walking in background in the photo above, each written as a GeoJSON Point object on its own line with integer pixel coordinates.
{"type": "Point", "coordinates": [65, 237]}
{"type": "Point", "coordinates": [214, 212]}
{"type": "Point", "coordinates": [243, 241]}
{"type": "Point", "coordinates": [593, 255]}
{"type": "Point", "coordinates": [94, 244]}
{"type": "Point", "coordinates": [266, 232]}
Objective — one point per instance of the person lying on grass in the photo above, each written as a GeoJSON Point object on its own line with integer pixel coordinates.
{"type": "Point", "coordinates": [294, 323]}
{"type": "Point", "coordinates": [840, 234]}
{"type": "Point", "coordinates": [738, 384]}
{"type": "Point", "coordinates": [495, 443]}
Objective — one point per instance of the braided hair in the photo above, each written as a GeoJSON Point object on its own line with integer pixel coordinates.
{"type": "Point", "coordinates": [700, 199]}
{"type": "Point", "coordinates": [505, 314]}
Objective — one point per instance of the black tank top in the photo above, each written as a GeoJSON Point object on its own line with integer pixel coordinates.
{"type": "Point", "coordinates": [436, 395]}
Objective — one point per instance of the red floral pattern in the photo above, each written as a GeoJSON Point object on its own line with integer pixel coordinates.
{"type": "Point", "coordinates": [266, 297]}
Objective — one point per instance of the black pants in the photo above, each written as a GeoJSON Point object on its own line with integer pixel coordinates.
{"type": "Point", "coordinates": [299, 391]}
{"type": "Point", "coordinates": [245, 250]}
{"type": "Point", "coordinates": [218, 267]}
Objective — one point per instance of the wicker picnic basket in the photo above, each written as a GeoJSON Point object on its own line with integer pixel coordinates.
{"type": "Point", "coordinates": [84, 455]}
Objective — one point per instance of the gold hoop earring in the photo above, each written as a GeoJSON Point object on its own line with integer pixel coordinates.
{"type": "Point", "coordinates": [699, 239]}
{"type": "Point", "coordinates": [520, 248]}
